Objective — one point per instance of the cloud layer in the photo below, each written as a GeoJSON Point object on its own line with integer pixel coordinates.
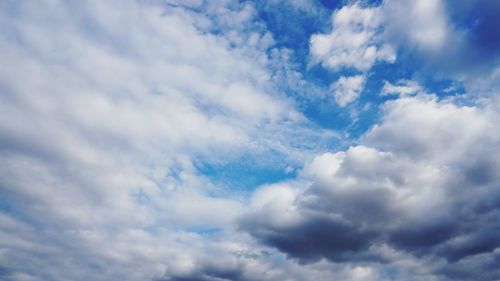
{"type": "Point", "coordinates": [106, 113]}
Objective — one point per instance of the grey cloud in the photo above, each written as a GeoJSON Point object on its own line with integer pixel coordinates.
{"type": "Point", "coordinates": [479, 267]}
{"type": "Point", "coordinates": [421, 236]}
{"type": "Point", "coordinates": [209, 274]}
{"type": "Point", "coordinates": [316, 236]}
{"type": "Point", "coordinates": [432, 193]}
{"type": "Point", "coordinates": [484, 239]}
{"type": "Point", "coordinates": [266, 266]}
{"type": "Point", "coordinates": [226, 267]}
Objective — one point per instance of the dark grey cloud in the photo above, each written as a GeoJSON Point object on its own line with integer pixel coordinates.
{"type": "Point", "coordinates": [209, 273]}
{"type": "Point", "coordinates": [418, 238]}
{"type": "Point", "coordinates": [479, 267]}
{"type": "Point", "coordinates": [317, 236]}
{"type": "Point", "coordinates": [483, 240]}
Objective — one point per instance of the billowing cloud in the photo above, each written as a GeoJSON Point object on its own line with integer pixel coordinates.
{"type": "Point", "coordinates": [423, 182]}
{"type": "Point", "coordinates": [440, 33]}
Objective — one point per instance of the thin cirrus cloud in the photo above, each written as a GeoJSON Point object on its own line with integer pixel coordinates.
{"type": "Point", "coordinates": [401, 87]}
{"type": "Point", "coordinates": [114, 114]}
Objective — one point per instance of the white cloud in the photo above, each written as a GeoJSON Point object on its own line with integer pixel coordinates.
{"type": "Point", "coordinates": [106, 111]}
{"type": "Point", "coordinates": [347, 89]}
{"type": "Point", "coordinates": [423, 127]}
{"type": "Point", "coordinates": [353, 42]}
{"type": "Point", "coordinates": [429, 167]}
{"type": "Point", "coordinates": [401, 88]}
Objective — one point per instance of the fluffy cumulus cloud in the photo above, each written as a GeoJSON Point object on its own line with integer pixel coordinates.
{"type": "Point", "coordinates": [354, 41]}
{"type": "Point", "coordinates": [422, 24]}
{"type": "Point", "coordinates": [456, 39]}
{"type": "Point", "coordinates": [422, 186]}
{"type": "Point", "coordinates": [347, 89]}
{"type": "Point", "coordinates": [128, 129]}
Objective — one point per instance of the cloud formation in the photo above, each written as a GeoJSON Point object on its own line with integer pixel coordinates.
{"type": "Point", "coordinates": [454, 38]}
{"type": "Point", "coordinates": [107, 112]}
{"type": "Point", "coordinates": [422, 182]}
{"type": "Point", "coordinates": [347, 89]}
{"type": "Point", "coordinates": [402, 87]}
{"type": "Point", "coordinates": [353, 41]}
{"type": "Point", "coordinates": [129, 130]}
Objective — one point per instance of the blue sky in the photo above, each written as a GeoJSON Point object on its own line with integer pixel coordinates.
{"type": "Point", "coordinates": [225, 140]}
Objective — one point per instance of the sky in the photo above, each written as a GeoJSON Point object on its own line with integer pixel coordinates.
{"type": "Point", "coordinates": [233, 140]}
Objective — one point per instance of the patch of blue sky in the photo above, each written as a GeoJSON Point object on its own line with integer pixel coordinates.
{"type": "Point", "coordinates": [332, 4]}
{"type": "Point", "coordinates": [292, 26]}
{"type": "Point", "coordinates": [142, 197]}
{"type": "Point", "coordinates": [358, 117]}
{"type": "Point", "coordinates": [292, 29]}
{"type": "Point", "coordinates": [480, 19]}
{"type": "Point", "coordinates": [246, 173]}
{"type": "Point", "coordinates": [408, 68]}
{"type": "Point", "coordinates": [9, 206]}
{"type": "Point", "coordinates": [205, 230]}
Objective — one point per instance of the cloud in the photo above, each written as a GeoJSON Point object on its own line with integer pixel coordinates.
{"type": "Point", "coordinates": [422, 183]}
{"type": "Point", "coordinates": [347, 89]}
{"type": "Point", "coordinates": [423, 24]}
{"type": "Point", "coordinates": [440, 34]}
{"type": "Point", "coordinates": [110, 116]}
{"type": "Point", "coordinates": [437, 32]}
{"type": "Point", "coordinates": [107, 114]}
{"type": "Point", "coordinates": [262, 266]}
{"type": "Point", "coordinates": [353, 41]}
{"type": "Point", "coordinates": [401, 88]}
